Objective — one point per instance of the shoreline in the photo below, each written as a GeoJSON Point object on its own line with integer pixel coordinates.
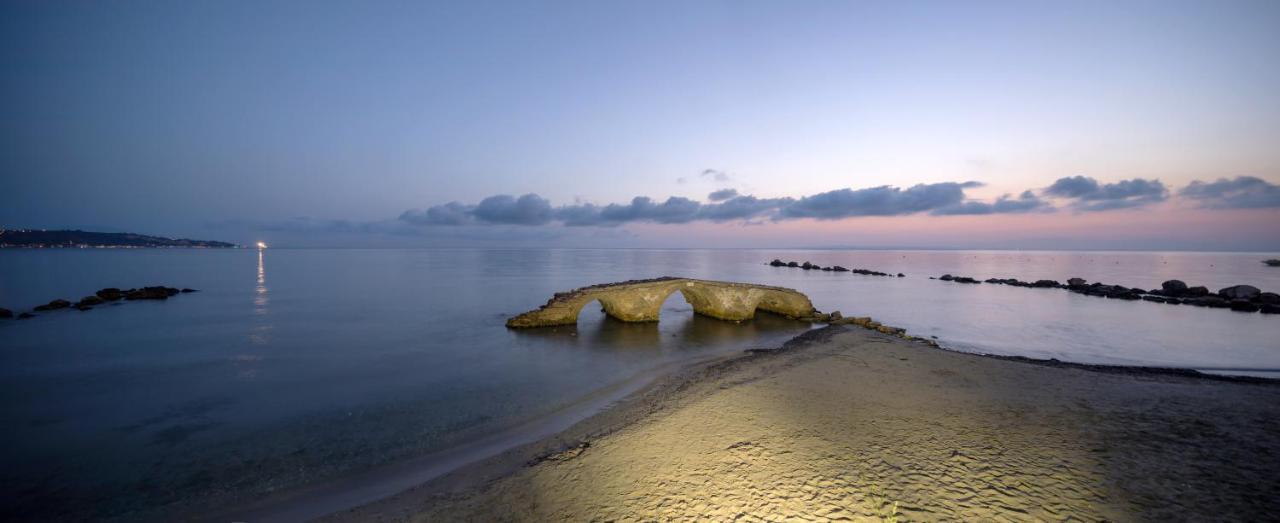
{"type": "Point", "coordinates": [529, 440]}
{"type": "Point", "coordinates": [459, 492]}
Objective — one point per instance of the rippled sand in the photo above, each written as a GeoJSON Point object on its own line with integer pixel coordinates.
{"type": "Point", "coordinates": [854, 425]}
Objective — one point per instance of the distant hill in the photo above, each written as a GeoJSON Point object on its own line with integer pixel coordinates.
{"type": "Point", "coordinates": [35, 238]}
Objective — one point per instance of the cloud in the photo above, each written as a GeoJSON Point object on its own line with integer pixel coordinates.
{"type": "Point", "coordinates": [1072, 187]}
{"type": "Point", "coordinates": [878, 201]}
{"type": "Point", "coordinates": [719, 176]}
{"type": "Point", "coordinates": [1090, 196]}
{"type": "Point", "coordinates": [529, 209]}
{"type": "Point", "coordinates": [1006, 204]}
{"type": "Point", "coordinates": [742, 208]}
{"type": "Point", "coordinates": [1243, 192]}
{"type": "Point", "coordinates": [939, 199]}
{"type": "Point", "coordinates": [722, 194]}
{"type": "Point", "coordinates": [641, 209]}
{"type": "Point", "coordinates": [452, 213]}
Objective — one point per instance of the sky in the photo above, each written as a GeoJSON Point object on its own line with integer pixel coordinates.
{"type": "Point", "coordinates": [1009, 125]}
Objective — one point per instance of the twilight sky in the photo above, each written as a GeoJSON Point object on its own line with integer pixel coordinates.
{"type": "Point", "coordinates": [1081, 125]}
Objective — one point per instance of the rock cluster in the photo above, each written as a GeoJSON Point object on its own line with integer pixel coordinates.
{"type": "Point", "coordinates": [836, 268]}
{"type": "Point", "coordinates": [109, 294]}
{"type": "Point", "coordinates": [1242, 298]}
{"type": "Point", "coordinates": [957, 279]}
{"type": "Point", "coordinates": [835, 318]}
{"type": "Point", "coordinates": [1272, 263]}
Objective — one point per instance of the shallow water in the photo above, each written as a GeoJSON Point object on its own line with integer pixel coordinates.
{"type": "Point", "coordinates": [296, 365]}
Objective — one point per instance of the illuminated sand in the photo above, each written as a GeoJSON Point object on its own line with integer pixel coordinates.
{"type": "Point", "coordinates": [848, 422]}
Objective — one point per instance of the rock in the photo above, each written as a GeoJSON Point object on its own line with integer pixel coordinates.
{"type": "Point", "coordinates": [90, 301]}
{"type": "Point", "coordinates": [900, 275]}
{"type": "Point", "coordinates": [1076, 282]}
{"type": "Point", "coordinates": [185, 291]}
{"type": "Point", "coordinates": [1240, 292]}
{"type": "Point", "coordinates": [792, 264]}
{"type": "Point", "coordinates": [808, 266]}
{"type": "Point", "coordinates": [777, 263]}
{"type": "Point", "coordinates": [1244, 306]}
{"type": "Point", "coordinates": [110, 294]}
{"type": "Point", "coordinates": [947, 277]}
{"type": "Point", "coordinates": [1268, 308]}
{"type": "Point", "coordinates": [54, 305]}
{"type": "Point", "coordinates": [1173, 301]}
{"type": "Point", "coordinates": [835, 316]}
{"type": "Point", "coordinates": [1197, 291]}
{"type": "Point", "coordinates": [1155, 299]}
{"type": "Point", "coordinates": [81, 307]}
{"type": "Point", "coordinates": [861, 321]}
{"type": "Point", "coordinates": [151, 293]}
{"type": "Point", "coordinates": [964, 279]}
{"type": "Point", "coordinates": [1174, 287]}
{"type": "Point", "coordinates": [1210, 301]}
{"type": "Point", "coordinates": [890, 330]}
{"type": "Point", "coordinates": [1269, 298]}
{"type": "Point", "coordinates": [5, 313]}
{"type": "Point", "coordinates": [1046, 284]}
{"type": "Point", "coordinates": [26, 316]}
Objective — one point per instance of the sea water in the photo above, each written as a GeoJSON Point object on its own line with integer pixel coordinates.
{"type": "Point", "coordinates": [296, 366]}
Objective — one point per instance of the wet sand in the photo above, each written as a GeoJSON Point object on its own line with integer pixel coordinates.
{"type": "Point", "coordinates": [846, 423]}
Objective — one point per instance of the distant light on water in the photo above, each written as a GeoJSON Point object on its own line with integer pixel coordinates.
{"type": "Point", "coordinates": [262, 245]}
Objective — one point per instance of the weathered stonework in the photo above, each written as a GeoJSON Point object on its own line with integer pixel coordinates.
{"type": "Point", "coordinates": [641, 300]}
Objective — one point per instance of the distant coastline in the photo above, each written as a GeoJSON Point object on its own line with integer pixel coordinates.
{"type": "Point", "coordinates": [76, 239]}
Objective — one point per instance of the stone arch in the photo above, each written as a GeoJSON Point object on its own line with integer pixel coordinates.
{"type": "Point", "coordinates": [641, 301]}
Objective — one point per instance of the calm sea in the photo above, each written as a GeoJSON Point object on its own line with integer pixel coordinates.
{"type": "Point", "coordinates": [296, 366]}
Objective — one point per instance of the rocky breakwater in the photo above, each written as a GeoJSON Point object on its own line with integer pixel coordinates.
{"type": "Point", "coordinates": [834, 268]}
{"type": "Point", "coordinates": [102, 297]}
{"type": "Point", "coordinates": [836, 318]}
{"type": "Point", "coordinates": [1240, 298]}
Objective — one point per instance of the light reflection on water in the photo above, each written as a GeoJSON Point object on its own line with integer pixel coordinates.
{"type": "Point", "coordinates": [357, 357]}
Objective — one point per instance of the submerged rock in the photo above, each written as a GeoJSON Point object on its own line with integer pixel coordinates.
{"type": "Point", "coordinates": [89, 301]}
{"type": "Point", "coordinates": [1244, 306]}
{"type": "Point", "coordinates": [151, 293]}
{"type": "Point", "coordinates": [26, 316]}
{"type": "Point", "coordinates": [110, 294]}
{"type": "Point", "coordinates": [5, 313]}
{"type": "Point", "coordinates": [54, 305]}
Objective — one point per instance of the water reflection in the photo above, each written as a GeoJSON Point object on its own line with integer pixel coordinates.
{"type": "Point", "coordinates": [260, 299]}
{"type": "Point", "coordinates": [260, 333]}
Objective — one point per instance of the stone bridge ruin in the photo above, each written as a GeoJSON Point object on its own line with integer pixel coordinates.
{"type": "Point", "coordinates": [641, 300]}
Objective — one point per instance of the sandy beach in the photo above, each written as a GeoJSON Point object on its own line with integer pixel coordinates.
{"type": "Point", "coordinates": [849, 424]}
